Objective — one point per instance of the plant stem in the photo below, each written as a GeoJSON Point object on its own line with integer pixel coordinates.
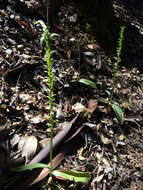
{"type": "Point", "coordinates": [117, 59]}
{"type": "Point", "coordinates": [50, 84]}
{"type": "Point", "coordinates": [78, 47]}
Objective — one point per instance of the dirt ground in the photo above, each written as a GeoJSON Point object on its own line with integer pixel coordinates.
{"type": "Point", "coordinates": [111, 152]}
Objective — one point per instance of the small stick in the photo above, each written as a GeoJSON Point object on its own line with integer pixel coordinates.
{"type": "Point", "coordinates": [56, 141]}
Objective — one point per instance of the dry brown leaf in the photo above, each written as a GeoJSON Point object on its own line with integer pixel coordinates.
{"type": "Point", "coordinates": [92, 105]}
{"type": "Point", "coordinates": [22, 142]}
{"type": "Point", "coordinates": [15, 140]}
{"type": "Point", "coordinates": [99, 178]}
{"type": "Point", "coordinates": [26, 98]}
{"type": "Point", "coordinates": [35, 119]}
{"type": "Point", "coordinates": [56, 142]}
{"type": "Point", "coordinates": [105, 140]}
{"type": "Point", "coordinates": [44, 142]}
{"type": "Point", "coordinates": [102, 158]}
{"type": "Point", "coordinates": [122, 137]}
{"type": "Point", "coordinates": [80, 152]}
{"type": "Point", "coordinates": [78, 107]}
{"type": "Point", "coordinates": [29, 148]}
{"type": "Point", "coordinates": [1, 96]}
{"type": "Point", "coordinates": [59, 113]}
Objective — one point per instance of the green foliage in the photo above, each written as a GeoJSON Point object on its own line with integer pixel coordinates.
{"type": "Point", "coordinates": [29, 167]}
{"type": "Point", "coordinates": [118, 111]}
{"type": "Point", "coordinates": [73, 175]}
{"type": "Point", "coordinates": [109, 95]}
{"type": "Point", "coordinates": [68, 175]}
{"type": "Point", "coordinates": [118, 57]}
{"type": "Point", "coordinates": [46, 36]}
{"type": "Point", "coordinates": [119, 48]}
{"type": "Point", "coordinates": [88, 82]}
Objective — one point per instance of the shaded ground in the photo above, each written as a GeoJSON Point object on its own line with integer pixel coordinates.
{"type": "Point", "coordinates": [24, 109]}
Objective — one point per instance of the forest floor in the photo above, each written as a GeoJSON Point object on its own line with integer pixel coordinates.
{"type": "Point", "coordinates": [111, 152]}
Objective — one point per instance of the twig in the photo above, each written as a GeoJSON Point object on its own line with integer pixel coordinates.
{"type": "Point", "coordinates": [56, 141]}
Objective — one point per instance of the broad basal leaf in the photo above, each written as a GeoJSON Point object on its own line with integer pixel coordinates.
{"type": "Point", "coordinates": [29, 167]}
{"type": "Point", "coordinates": [119, 113]}
{"type": "Point", "coordinates": [88, 83]}
{"type": "Point", "coordinates": [73, 175]}
{"type": "Point", "coordinates": [102, 100]}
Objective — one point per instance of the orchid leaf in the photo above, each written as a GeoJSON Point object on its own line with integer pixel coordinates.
{"type": "Point", "coordinates": [29, 167]}
{"type": "Point", "coordinates": [119, 113]}
{"type": "Point", "coordinates": [109, 94]}
{"type": "Point", "coordinates": [102, 100]}
{"type": "Point", "coordinates": [73, 175]}
{"type": "Point", "coordinates": [88, 83]}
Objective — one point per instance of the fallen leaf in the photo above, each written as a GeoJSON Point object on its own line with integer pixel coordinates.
{"type": "Point", "coordinates": [1, 96]}
{"type": "Point", "coordinates": [105, 140]}
{"type": "Point", "coordinates": [99, 178]}
{"type": "Point", "coordinates": [22, 142]}
{"type": "Point", "coordinates": [92, 105]}
{"type": "Point", "coordinates": [122, 137]}
{"type": "Point", "coordinates": [56, 141]}
{"type": "Point", "coordinates": [78, 107]}
{"type": "Point", "coordinates": [26, 98]}
{"type": "Point", "coordinates": [79, 153]}
{"type": "Point", "coordinates": [29, 148]}
{"type": "Point", "coordinates": [59, 113]}
{"type": "Point", "coordinates": [2, 71]}
{"type": "Point", "coordinates": [102, 158]}
{"type": "Point", "coordinates": [37, 119]}
{"type": "Point", "coordinates": [14, 140]}
{"type": "Point", "coordinates": [44, 142]}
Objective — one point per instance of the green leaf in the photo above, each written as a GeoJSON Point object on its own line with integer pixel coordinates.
{"type": "Point", "coordinates": [42, 39]}
{"type": "Point", "coordinates": [109, 94]}
{"type": "Point", "coordinates": [42, 24]}
{"type": "Point", "coordinates": [119, 113]}
{"type": "Point", "coordinates": [102, 100]}
{"type": "Point", "coordinates": [52, 35]}
{"type": "Point", "coordinates": [73, 175]}
{"type": "Point", "coordinates": [88, 82]}
{"type": "Point", "coordinates": [29, 167]}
